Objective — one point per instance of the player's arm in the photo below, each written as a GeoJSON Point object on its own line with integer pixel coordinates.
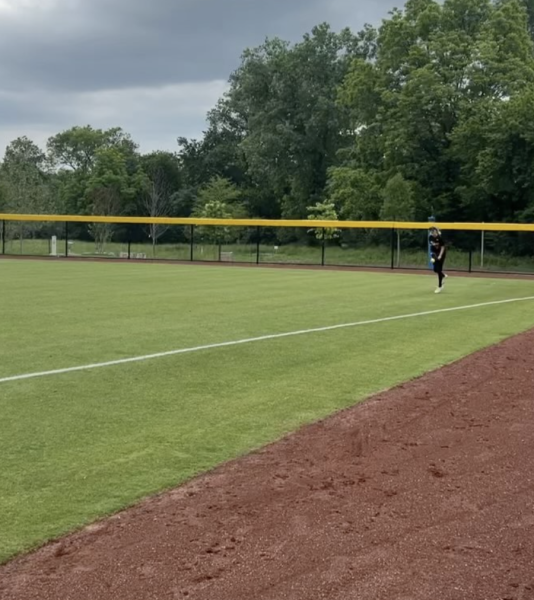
{"type": "Point", "coordinates": [442, 250]}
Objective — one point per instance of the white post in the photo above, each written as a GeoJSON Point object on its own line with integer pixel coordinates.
{"type": "Point", "coordinates": [53, 246]}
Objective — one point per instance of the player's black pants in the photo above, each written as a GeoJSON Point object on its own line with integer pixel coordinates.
{"type": "Point", "coordinates": [438, 269]}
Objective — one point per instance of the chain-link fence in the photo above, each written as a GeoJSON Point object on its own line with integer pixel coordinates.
{"type": "Point", "coordinates": [393, 247]}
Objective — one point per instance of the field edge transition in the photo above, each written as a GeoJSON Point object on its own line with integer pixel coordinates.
{"type": "Point", "coordinates": [288, 266]}
{"type": "Point", "coordinates": [423, 490]}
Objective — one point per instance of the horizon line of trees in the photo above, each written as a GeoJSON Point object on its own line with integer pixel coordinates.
{"type": "Point", "coordinates": [432, 112]}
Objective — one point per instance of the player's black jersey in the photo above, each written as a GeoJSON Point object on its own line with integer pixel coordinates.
{"type": "Point", "coordinates": [436, 245]}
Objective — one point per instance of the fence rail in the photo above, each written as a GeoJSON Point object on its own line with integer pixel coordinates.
{"type": "Point", "coordinates": [267, 222]}
{"type": "Point", "coordinates": [472, 247]}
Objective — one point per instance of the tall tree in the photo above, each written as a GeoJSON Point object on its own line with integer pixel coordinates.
{"type": "Point", "coordinates": [442, 71]}
{"type": "Point", "coordinates": [323, 211]}
{"type": "Point", "coordinates": [219, 199]}
{"type": "Point", "coordinates": [398, 204]}
{"type": "Point", "coordinates": [24, 183]}
{"type": "Point", "coordinates": [110, 188]}
{"type": "Point", "coordinates": [162, 184]}
{"type": "Point", "coordinates": [76, 152]}
{"type": "Point", "coordinates": [218, 154]}
{"type": "Point", "coordinates": [493, 139]}
{"type": "Point", "coordinates": [286, 129]}
{"type": "Point", "coordinates": [77, 148]}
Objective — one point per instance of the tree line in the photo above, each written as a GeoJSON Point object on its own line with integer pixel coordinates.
{"type": "Point", "coordinates": [432, 112]}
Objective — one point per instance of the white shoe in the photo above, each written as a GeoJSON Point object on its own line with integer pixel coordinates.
{"type": "Point", "coordinates": [438, 290]}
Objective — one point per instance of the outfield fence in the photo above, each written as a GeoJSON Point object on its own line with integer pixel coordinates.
{"type": "Point", "coordinates": [472, 247]}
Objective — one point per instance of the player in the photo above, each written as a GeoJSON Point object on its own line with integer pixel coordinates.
{"type": "Point", "coordinates": [438, 253]}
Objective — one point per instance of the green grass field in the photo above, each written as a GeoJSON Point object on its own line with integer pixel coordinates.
{"type": "Point", "coordinates": [77, 446]}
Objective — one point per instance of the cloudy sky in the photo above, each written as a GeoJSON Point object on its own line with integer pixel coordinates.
{"type": "Point", "coordinates": [153, 67]}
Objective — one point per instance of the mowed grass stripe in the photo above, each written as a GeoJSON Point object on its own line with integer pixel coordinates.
{"type": "Point", "coordinates": [86, 444]}
{"type": "Point", "coordinates": [264, 338]}
{"type": "Point", "coordinates": [60, 315]}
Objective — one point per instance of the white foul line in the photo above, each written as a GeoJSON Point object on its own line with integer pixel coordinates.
{"type": "Point", "coordinates": [261, 338]}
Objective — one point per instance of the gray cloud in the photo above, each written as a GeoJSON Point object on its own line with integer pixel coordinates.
{"type": "Point", "coordinates": [55, 53]}
{"type": "Point", "coordinates": [155, 116]}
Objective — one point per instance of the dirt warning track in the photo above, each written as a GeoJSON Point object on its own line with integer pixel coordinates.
{"type": "Point", "coordinates": [424, 492]}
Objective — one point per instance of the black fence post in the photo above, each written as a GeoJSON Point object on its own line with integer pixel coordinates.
{"type": "Point", "coordinates": [323, 249]}
{"type": "Point", "coordinates": [392, 247]}
{"type": "Point", "coordinates": [192, 242]}
{"type": "Point", "coordinates": [470, 261]}
{"type": "Point", "coordinates": [66, 239]}
{"type": "Point", "coordinates": [129, 249]}
{"type": "Point", "coordinates": [3, 237]}
{"type": "Point", "coordinates": [258, 235]}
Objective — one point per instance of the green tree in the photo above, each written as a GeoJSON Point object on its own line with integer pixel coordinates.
{"type": "Point", "coordinates": [25, 185]}
{"type": "Point", "coordinates": [421, 108]}
{"type": "Point", "coordinates": [77, 148]}
{"type": "Point", "coordinates": [109, 188]}
{"type": "Point", "coordinates": [219, 153]}
{"type": "Point", "coordinates": [163, 183]}
{"type": "Point", "coordinates": [221, 190]}
{"type": "Point", "coordinates": [323, 211]}
{"type": "Point", "coordinates": [398, 204]}
{"type": "Point", "coordinates": [529, 6]}
{"type": "Point", "coordinates": [356, 192]}
{"type": "Point", "coordinates": [219, 199]}
{"type": "Point", "coordinates": [290, 127]}
{"type": "Point", "coordinates": [76, 152]}
{"type": "Point", "coordinates": [493, 140]}
{"type": "Point", "coordinates": [398, 200]}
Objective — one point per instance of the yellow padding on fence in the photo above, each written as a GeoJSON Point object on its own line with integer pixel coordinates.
{"type": "Point", "coordinates": [311, 224]}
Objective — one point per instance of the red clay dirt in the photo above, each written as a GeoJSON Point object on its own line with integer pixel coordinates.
{"type": "Point", "coordinates": [424, 492]}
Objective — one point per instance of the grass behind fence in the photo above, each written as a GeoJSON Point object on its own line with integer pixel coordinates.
{"type": "Point", "coordinates": [369, 256]}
